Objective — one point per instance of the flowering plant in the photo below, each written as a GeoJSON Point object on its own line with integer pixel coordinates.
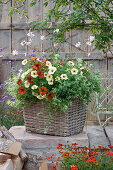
{"type": "Point", "coordinates": [56, 82]}
{"type": "Point", "coordinates": [73, 157]}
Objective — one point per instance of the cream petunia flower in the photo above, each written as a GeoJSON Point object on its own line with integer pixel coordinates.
{"type": "Point", "coordinates": [71, 63]}
{"type": "Point", "coordinates": [34, 74]}
{"type": "Point", "coordinates": [64, 77]}
{"type": "Point", "coordinates": [57, 78]}
{"type": "Point", "coordinates": [49, 77]}
{"type": "Point", "coordinates": [74, 71]}
{"type": "Point", "coordinates": [52, 70]}
{"type": "Point", "coordinates": [28, 71]}
{"type": "Point", "coordinates": [23, 75]}
{"type": "Point", "coordinates": [27, 84]}
{"type": "Point", "coordinates": [24, 62]}
{"type": "Point", "coordinates": [50, 82]}
{"type": "Point", "coordinates": [48, 63]}
{"type": "Point", "coordinates": [40, 97]}
{"type": "Point", "coordinates": [34, 94]}
{"type": "Point", "coordinates": [45, 74]}
{"type": "Point", "coordinates": [34, 87]}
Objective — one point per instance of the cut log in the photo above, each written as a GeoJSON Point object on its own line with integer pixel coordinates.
{"type": "Point", "coordinates": [9, 136]}
{"type": "Point", "coordinates": [8, 165]}
{"type": "Point", "coordinates": [43, 165]}
{"type": "Point", "coordinates": [9, 147]}
{"type": "Point", "coordinates": [17, 163]}
{"type": "Point", "coordinates": [4, 157]}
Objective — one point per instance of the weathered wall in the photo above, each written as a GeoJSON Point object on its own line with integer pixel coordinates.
{"type": "Point", "coordinates": [13, 31]}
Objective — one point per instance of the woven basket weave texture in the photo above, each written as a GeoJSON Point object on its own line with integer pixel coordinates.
{"type": "Point", "coordinates": [66, 123]}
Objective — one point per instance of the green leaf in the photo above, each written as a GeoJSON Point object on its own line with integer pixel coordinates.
{"type": "Point", "coordinates": [10, 14]}
{"type": "Point", "coordinates": [45, 4]}
{"type": "Point", "coordinates": [32, 4]}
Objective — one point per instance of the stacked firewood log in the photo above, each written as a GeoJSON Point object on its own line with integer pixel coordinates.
{"type": "Point", "coordinates": [12, 156]}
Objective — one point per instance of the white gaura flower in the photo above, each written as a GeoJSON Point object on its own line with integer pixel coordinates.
{"type": "Point", "coordinates": [23, 43]}
{"type": "Point", "coordinates": [50, 82]}
{"type": "Point", "coordinates": [78, 44]}
{"type": "Point", "coordinates": [71, 63]}
{"type": "Point", "coordinates": [34, 87]}
{"type": "Point", "coordinates": [48, 63]}
{"type": "Point", "coordinates": [30, 34]}
{"type": "Point", "coordinates": [34, 94]}
{"type": "Point", "coordinates": [56, 31]}
{"type": "Point", "coordinates": [64, 77]}
{"type": "Point", "coordinates": [57, 78]}
{"type": "Point", "coordinates": [24, 62]}
{"type": "Point", "coordinates": [49, 77]}
{"type": "Point", "coordinates": [45, 74]}
{"type": "Point", "coordinates": [42, 37]}
{"type": "Point", "coordinates": [40, 97]}
{"type": "Point", "coordinates": [74, 71]}
{"type": "Point", "coordinates": [27, 84]}
{"type": "Point", "coordinates": [88, 43]}
{"type": "Point", "coordinates": [91, 38]}
{"type": "Point", "coordinates": [52, 70]}
{"type": "Point", "coordinates": [34, 74]}
{"type": "Point", "coordinates": [23, 75]}
{"type": "Point", "coordinates": [15, 52]}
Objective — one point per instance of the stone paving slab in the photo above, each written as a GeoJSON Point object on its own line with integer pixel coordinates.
{"type": "Point", "coordinates": [96, 137]}
{"type": "Point", "coordinates": [109, 131]}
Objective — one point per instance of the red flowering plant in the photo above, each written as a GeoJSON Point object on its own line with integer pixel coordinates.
{"type": "Point", "coordinates": [73, 157]}
{"type": "Point", "coordinates": [55, 83]}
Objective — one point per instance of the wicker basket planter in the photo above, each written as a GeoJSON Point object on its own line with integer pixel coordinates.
{"type": "Point", "coordinates": [66, 123]}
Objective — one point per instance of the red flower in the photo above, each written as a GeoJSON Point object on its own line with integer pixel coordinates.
{"type": "Point", "coordinates": [50, 95]}
{"type": "Point", "coordinates": [74, 152]}
{"type": "Point", "coordinates": [73, 144]}
{"type": "Point", "coordinates": [19, 81]}
{"type": "Point", "coordinates": [73, 167]}
{"type": "Point", "coordinates": [110, 153]}
{"type": "Point", "coordinates": [30, 80]}
{"type": "Point", "coordinates": [110, 146]}
{"type": "Point", "coordinates": [37, 66]}
{"type": "Point", "coordinates": [40, 74]}
{"type": "Point", "coordinates": [93, 159]}
{"type": "Point", "coordinates": [21, 90]}
{"type": "Point", "coordinates": [50, 156]}
{"type": "Point", "coordinates": [42, 90]}
{"type": "Point", "coordinates": [66, 154]}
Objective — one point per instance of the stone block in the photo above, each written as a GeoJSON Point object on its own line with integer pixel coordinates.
{"type": "Point", "coordinates": [8, 165]}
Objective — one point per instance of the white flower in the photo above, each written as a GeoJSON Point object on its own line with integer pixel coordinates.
{"type": "Point", "coordinates": [91, 38]}
{"type": "Point", "coordinates": [42, 37]}
{"type": "Point", "coordinates": [64, 77]}
{"type": "Point", "coordinates": [23, 75]}
{"type": "Point", "coordinates": [88, 54]}
{"type": "Point", "coordinates": [57, 78]}
{"type": "Point", "coordinates": [88, 43]}
{"type": "Point", "coordinates": [78, 44]}
{"type": "Point", "coordinates": [55, 44]}
{"type": "Point", "coordinates": [27, 84]}
{"type": "Point", "coordinates": [28, 43]}
{"type": "Point", "coordinates": [56, 31]}
{"type": "Point", "coordinates": [23, 43]}
{"type": "Point", "coordinates": [29, 70]}
{"type": "Point", "coordinates": [48, 63]}
{"type": "Point", "coordinates": [82, 68]}
{"type": "Point", "coordinates": [34, 87]}
{"type": "Point", "coordinates": [19, 75]}
{"type": "Point", "coordinates": [34, 94]}
{"type": "Point", "coordinates": [45, 74]}
{"type": "Point", "coordinates": [30, 34]}
{"type": "Point", "coordinates": [52, 70]}
{"type": "Point", "coordinates": [40, 97]}
{"type": "Point", "coordinates": [20, 71]}
{"type": "Point", "coordinates": [74, 71]}
{"type": "Point", "coordinates": [50, 82]}
{"type": "Point", "coordinates": [24, 62]}
{"type": "Point", "coordinates": [34, 74]}
{"type": "Point", "coordinates": [15, 52]}
{"type": "Point", "coordinates": [49, 77]}
{"type": "Point", "coordinates": [71, 63]}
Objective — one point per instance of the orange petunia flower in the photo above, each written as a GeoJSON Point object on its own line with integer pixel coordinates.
{"type": "Point", "coordinates": [21, 90]}
{"type": "Point", "coordinates": [19, 81]}
{"type": "Point", "coordinates": [33, 59]}
{"type": "Point", "coordinates": [37, 66]}
{"type": "Point", "coordinates": [40, 74]}
{"type": "Point", "coordinates": [73, 167]}
{"type": "Point", "coordinates": [110, 153]}
{"type": "Point", "coordinates": [30, 80]}
{"type": "Point", "coordinates": [50, 95]}
{"type": "Point", "coordinates": [44, 60]}
{"type": "Point", "coordinates": [42, 90]}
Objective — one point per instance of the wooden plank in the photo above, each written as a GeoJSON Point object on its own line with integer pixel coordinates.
{"type": "Point", "coordinates": [96, 137]}
{"type": "Point", "coordinates": [4, 157]}
{"type": "Point", "coordinates": [109, 131]}
{"type": "Point", "coordinates": [5, 41]}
